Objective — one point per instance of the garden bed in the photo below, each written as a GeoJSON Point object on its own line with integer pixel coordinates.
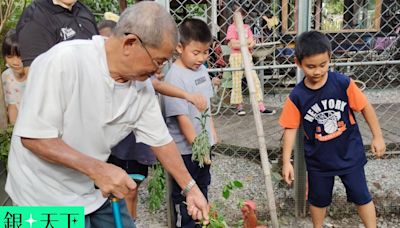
{"type": "Point", "coordinates": [383, 177]}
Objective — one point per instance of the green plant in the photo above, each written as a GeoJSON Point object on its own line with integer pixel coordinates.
{"type": "Point", "coordinates": [226, 192]}
{"type": "Point", "coordinates": [5, 141]}
{"type": "Point", "coordinates": [99, 7]}
{"type": "Point", "coordinates": [201, 146]}
{"type": "Point", "coordinates": [156, 187]}
{"type": "Point", "coordinates": [216, 219]}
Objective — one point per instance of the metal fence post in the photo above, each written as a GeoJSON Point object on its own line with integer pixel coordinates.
{"type": "Point", "coordinates": [299, 162]}
{"type": "Point", "coordinates": [164, 3]}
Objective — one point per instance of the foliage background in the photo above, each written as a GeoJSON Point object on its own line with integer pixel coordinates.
{"type": "Point", "coordinates": [98, 7]}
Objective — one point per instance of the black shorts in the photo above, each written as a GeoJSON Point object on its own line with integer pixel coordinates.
{"type": "Point", "coordinates": [130, 166]}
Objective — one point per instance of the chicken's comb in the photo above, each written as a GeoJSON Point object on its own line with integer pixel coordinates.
{"type": "Point", "coordinates": [250, 203]}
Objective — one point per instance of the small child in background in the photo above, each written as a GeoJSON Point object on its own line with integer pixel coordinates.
{"type": "Point", "coordinates": [189, 73]}
{"type": "Point", "coordinates": [14, 77]}
{"type": "Point", "coordinates": [236, 60]}
{"type": "Point", "coordinates": [105, 27]}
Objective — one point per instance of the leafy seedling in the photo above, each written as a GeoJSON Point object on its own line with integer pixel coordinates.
{"type": "Point", "coordinates": [5, 142]}
{"type": "Point", "coordinates": [201, 146]}
{"type": "Point", "coordinates": [156, 188]}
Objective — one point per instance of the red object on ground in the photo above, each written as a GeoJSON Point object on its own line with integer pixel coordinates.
{"type": "Point", "coordinates": [249, 215]}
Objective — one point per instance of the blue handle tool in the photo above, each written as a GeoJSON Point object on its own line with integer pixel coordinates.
{"type": "Point", "coordinates": [115, 203]}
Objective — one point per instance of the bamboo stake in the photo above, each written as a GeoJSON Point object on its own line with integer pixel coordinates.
{"type": "Point", "coordinates": [257, 118]}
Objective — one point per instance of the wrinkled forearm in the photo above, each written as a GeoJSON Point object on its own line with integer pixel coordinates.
{"type": "Point", "coordinates": [58, 152]}
{"type": "Point", "coordinates": [171, 160]}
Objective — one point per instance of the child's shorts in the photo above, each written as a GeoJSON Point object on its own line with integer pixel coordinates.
{"type": "Point", "coordinates": [130, 166]}
{"type": "Point", "coordinates": [320, 188]}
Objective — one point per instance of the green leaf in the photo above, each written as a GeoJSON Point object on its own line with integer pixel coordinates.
{"type": "Point", "coordinates": [230, 186]}
{"type": "Point", "coordinates": [237, 184]}
{"type": "Point", "coordinates": [226, 193]}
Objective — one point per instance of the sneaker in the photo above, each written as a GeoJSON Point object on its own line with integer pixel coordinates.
{"type": "Point", "coordinates": [268, 112]}
{"type": "Point", "coordinates": [241, 112]}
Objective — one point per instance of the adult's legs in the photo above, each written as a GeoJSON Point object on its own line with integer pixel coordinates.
{"type": "Point", "coordinates": [104, 218]}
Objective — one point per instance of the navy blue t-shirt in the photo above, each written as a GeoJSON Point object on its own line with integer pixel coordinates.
{"type": "Point", "coordinates": [129, 149]}
{"type": "Point", "coordinates": [332, 140]}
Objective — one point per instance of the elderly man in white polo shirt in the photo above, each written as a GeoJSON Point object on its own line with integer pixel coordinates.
{"type": "Point", "coordinates": [81, 99]}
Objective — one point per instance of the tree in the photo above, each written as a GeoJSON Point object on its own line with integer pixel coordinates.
{"type": "Point", "coordinates": [10, 11]}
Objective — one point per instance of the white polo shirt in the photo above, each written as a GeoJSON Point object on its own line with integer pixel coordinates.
{"type": "Point", "coordinates": [69, 94]}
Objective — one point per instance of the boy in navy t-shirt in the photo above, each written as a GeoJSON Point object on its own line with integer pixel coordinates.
{"type": "Point", "coordinates": [324, 103]}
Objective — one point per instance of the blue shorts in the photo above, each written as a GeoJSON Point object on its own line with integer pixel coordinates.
{"type": "Point", "coordinates": [104, 217]}
{"type": "Point", "coordinates": [320, 188]}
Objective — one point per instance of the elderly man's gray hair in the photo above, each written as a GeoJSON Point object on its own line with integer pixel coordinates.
{"type": "Point", "coordinates": [150, 21]}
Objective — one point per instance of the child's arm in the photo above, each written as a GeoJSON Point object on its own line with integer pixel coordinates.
{"type": "Point", "coordinates": [251, 43]}
{"type": "Point", "coordinates": [289, 137]}
{"type": "Point", "coordinates": [234, 44]}
{"type": "Point", "coordinates": [170, 90]}
{"type": "Point", "coordinates": [213, 131]}
{"type": "Point", "coordinates": [12, 113]}
{"type": "Point", "coordinates": [378, 146]}
{"type": "Point", "coordinates": [187, 128]}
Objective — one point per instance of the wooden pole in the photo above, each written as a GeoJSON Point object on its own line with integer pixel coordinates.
{"type": "Point", "coordinates": [122, 5]}
{"type": "Point", "coordinates": [257, 118]}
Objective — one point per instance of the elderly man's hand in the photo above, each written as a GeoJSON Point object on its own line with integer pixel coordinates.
{"type": "Point", "coordinates": [198, 100]}
{"type": "Point", "coordinates": [111, 179]}
{"type": "Point", "coordinates": [197, 205]}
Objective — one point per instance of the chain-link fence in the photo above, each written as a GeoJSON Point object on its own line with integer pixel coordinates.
{"type": "Point", "coordinates": [365, 41]}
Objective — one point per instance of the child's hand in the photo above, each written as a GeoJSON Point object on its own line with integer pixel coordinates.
{"type": "Point", "coordinates": [198, 100]}
{"type": "Point", "coordinates": [288, 173]}
{"type": "Point", "coordinates": [378, 146]}
{"type": "Point", "coordinates": [216, 81]}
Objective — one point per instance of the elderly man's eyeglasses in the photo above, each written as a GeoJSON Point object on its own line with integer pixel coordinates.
{"type": "Point", "coordinates": [155, 62]}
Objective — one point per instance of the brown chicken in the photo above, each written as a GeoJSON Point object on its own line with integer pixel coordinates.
{"type": "Point", "coordinates": [249, 215]}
